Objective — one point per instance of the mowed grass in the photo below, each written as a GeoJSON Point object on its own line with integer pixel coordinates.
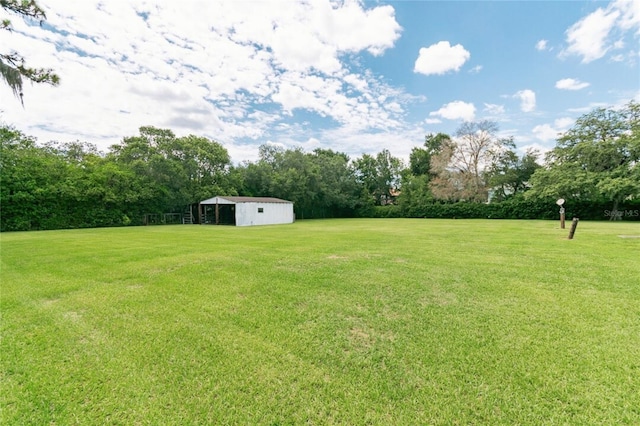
{"type": "Point", "coordinates": [322, 322]}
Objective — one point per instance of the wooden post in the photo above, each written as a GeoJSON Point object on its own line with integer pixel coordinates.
{"type": "Point", "coordinates": [574, 225]}
{"type": "Point", "coordinates": [560, 203]}
{"type": "Point", "coordinates": [217, 214]}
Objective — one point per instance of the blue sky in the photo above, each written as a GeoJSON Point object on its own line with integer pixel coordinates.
{"type": "Point", "coordinates": [355, 77]}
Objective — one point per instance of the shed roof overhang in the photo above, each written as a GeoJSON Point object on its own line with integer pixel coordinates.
{"type": "Point", "coordinates": [237, 200]}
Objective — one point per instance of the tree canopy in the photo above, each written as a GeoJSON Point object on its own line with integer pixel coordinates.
{"type": "Point", "coordinates": [462, 166]}
{"type": "Point", "coordinates": [598, 159]}
{"type": "Point", "coordinates": [73, 184]}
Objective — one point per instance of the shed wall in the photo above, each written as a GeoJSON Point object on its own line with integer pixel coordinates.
{"type": "Point", "coordinates": [247, 214]}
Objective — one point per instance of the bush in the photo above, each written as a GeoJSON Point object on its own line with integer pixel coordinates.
{"type": "Point", "coordinates": [513, 208]}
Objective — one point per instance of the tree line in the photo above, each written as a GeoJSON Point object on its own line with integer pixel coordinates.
{"type": "Point", "coordinates": [595, 166]}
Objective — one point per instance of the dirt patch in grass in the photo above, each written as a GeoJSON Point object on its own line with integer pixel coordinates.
{"type": "Point", "coordinates": [335, 256]}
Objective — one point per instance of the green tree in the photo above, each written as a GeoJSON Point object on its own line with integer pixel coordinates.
{"type": "Point", "coordinates": [416, 192]}
{"type": "Point", "coordinates": [12, 65]}
{"type": "Point", "coordinates": [255, 179]}
{"type": "Point", "coordinates": [176, 172]}
{"type": "Point", "coordinates": [321, 183]}
{"type": "Point", "coordinates": [415, 195]}
{"type": "Point", "coordinates": [280, 173]}
{"type": "Point", "coordinates": [202, 165]}
{"type": "Point", "coordinates": [389, 169]}
{"type": "Point", "coordinates": [293, 179]}
{"type": "Point", "coordinates": [32, 182]}
{"type": "Point", "coordinates": [338, 193]}
{"type": "Point", "coordinates": [96, 190]}
{"type": "Point", "coordinates": [597, 160]}
{"type": "Point", "coordinates": [379, 176]}
{"type": "Point", "coordinates": [420, 158]}
{"type": "Point", "coordinates": [367, 176]}
{"type": "Point", "coordinates": [509, 174]}
{"type": "Point", "coordinates": [143, 156]}
{"type": "Point", "coordinates": [71, 185]}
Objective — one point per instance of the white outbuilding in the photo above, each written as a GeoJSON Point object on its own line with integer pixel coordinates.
{"type": "Point", "coordinates": [245, 211]}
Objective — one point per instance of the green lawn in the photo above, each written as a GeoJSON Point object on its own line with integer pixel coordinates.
{"type": "Point", "coordinates": [322, 322]}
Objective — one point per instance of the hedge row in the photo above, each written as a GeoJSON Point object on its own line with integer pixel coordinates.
{"type": "Point", "coordinates": [513, 209]}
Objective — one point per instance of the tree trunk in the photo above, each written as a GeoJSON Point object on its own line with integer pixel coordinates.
{"type": "Point", "coordinates": [614, 212]}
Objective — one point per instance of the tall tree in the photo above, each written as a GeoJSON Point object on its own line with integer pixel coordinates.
{"type": "Point", "coordinates": [461, 165]}
{"type": "Point", "coordinates": [338, 193]}
{"type": "Point", "coordinates": [509, 175]}
{"type": "Point", "coordinates": [420, 158]}
{"type": "Point", "coordinates": [72, 185]}
{"type": "Point", "coordinates": [367, 175]}
{"type": "Point", "coordinates": [416, 191]}
{"type": "Point", "coordinates": [598, 159]}
{"type": "Point", "coordinates": [288, 174]}
{"type": "Point", "coordinates": [12, 65]}
{"type": "Point", "coordinates": [379, 176]}
{"type": "Point", "coordinates": [448, 183]}
{"type": "Point", "coordinates": [177, 171]}
{"type": "Point", "coordinates": [389, 170]}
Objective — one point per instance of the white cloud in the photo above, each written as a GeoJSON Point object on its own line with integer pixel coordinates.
{"type": "Point", "coordinates": [541, 45]}
{"type": "Point", "coordinates": [630, 14]}
{"type": "Point", "coordinates": [377, 28]}
{"type": "Point", "coordinates": [232, 76]}
{"type": "Point", "coordinates": [310, 144]}
{"type": "Point", "coordinates": [591, 106]}
{"type": "Point", "coordinates": [587, 37]}
{"type": "Point", "coordinates": [456, 110]}
{"type": "Point", "coordinates": [243, 73]}
{"type": "Point", "coordinates": [571, 84]}
{"type": "Point", "coordinates": [440, 58]}
{"type": "Point", "coordinates": [545, 132]}
{"type": "Point", "coordinates": [493, 109]}
{"type": "Point", "coordinates": [534, 147]}
{"type": "Point", "coordinates": [399, 143]}
{"type": "Point", "coordinates": [563, 123]}
{"type": "Point", "coordinates": [527, 100]}
{"type": "Point", "coordinates": [495, 112]}
{"type": "Point", "coordinates": [591, 37]}
{"type": "Point", "coordinates": [548, 132]}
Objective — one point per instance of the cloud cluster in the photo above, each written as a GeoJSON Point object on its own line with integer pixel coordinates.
{"type": "Point", "coordinates": [542, 45]}
{"type": "Point", "coordinates": [297, 73]}
{"type": "Point", "coordinates": [571, 84]}
{"type": "Point", "coordinates": [527, 100]}
{"type": "Point", "coordinates": [548, 132]}
{"type": "Point", "coordinates": [456, 110]}
{"type": "Point", "coordinates": [441, 58]}
{"type": "Point", "coordinates": [600, 31]}
{"type": "Point", "coordinates": [221, 69]}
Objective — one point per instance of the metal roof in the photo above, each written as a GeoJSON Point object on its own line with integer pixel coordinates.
{"type": "Point", "coordinates": [245, 200]}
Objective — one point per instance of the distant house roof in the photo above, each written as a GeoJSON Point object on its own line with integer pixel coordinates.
{"type": "Point", "coordinates": [234, 200]}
